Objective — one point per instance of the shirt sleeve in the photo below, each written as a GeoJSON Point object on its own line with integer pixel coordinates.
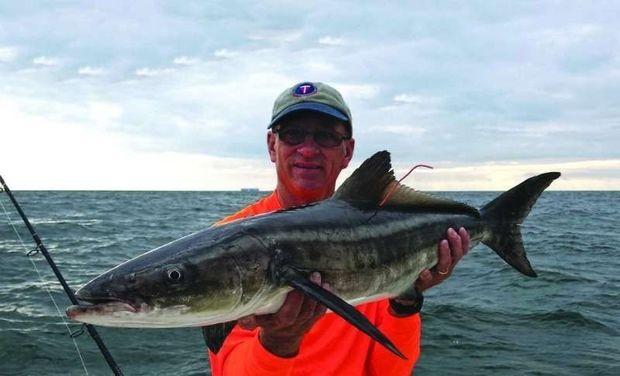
{"type": "Point", "coordinates": [405, 333]}
{"type": "Point", "coordinates": [243, 354]}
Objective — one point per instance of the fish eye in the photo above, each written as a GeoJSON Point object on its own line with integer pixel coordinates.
{"type": "Point", "coordinates": [174, 275]}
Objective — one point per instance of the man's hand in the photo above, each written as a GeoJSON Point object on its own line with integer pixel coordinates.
{"type": "Point", "coordinates": [450, 250]}
{"type": "Point", "coordinates": [281, 332]}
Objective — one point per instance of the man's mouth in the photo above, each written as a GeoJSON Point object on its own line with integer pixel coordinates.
{"type": "Point", "coordinates": [307, 166]}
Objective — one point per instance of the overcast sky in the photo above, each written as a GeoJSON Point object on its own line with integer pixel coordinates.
{"type": "Point", "coordinates": [144, 95]}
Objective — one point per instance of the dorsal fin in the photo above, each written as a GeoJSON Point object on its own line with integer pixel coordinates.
{"type": "Point", "coordinates": [369, 182]}
{"type": "Point", "coordinates": [372, 181]}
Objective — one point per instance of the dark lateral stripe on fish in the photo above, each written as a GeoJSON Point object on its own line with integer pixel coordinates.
{"type": "Point", "coordinates": [354, 233]}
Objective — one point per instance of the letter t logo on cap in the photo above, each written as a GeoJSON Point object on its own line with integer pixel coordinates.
{"type": "Point", "coordinates": [304, 89]}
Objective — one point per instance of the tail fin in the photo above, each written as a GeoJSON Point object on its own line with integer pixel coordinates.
{"type": "Point", "coordinates": [503, 216]}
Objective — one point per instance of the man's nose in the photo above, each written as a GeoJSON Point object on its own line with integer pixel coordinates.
{"type": "Point", "coordinates": [309, 147]}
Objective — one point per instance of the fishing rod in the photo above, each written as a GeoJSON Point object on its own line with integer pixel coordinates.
{"type": "Point", "coordinates": [41, 248]}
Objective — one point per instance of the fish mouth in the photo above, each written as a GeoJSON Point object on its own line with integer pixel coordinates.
{"type": "Point", "coordinates": [100, 307]}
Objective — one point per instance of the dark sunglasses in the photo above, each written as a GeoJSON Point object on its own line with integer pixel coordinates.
{"type": "Point", "coordinates": [296, 136]}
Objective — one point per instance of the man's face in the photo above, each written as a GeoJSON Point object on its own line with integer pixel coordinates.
{"type": "Point", "coordinates": [309, 170]}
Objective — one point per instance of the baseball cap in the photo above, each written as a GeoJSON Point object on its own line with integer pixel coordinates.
{"type": "Point", "coordinates": [311, 96]}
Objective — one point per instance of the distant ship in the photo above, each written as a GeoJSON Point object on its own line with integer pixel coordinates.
{"type": "Point", "coordinates": [253, 190]}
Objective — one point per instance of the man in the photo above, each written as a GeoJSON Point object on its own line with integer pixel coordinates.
{"type": "Point", "coordinates": [310, 141]}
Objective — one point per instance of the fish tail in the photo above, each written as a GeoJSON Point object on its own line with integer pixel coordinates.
{"type": "Point", "coordinates": [505, 213]}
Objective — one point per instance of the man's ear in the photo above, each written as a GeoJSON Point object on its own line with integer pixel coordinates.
{"type": "Point", "coordinates": [271, 145]}
{"type": "Point", "coordinates": [349, 147]}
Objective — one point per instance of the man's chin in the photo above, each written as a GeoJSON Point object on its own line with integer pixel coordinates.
{"type": "Point", "coordinates": [309, 188]}
{"type": "Point", "coordinates": [308, 178]}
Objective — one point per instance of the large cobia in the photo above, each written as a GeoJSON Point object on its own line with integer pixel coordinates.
{"type": "Point", "coordinates": [365, 251]}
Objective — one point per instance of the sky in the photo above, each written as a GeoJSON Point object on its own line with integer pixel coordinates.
{"type": "Point", "coordinates": [147, 95]}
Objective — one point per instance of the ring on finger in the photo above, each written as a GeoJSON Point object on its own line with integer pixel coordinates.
{"type": "Point", "coordinates": [443, 273]}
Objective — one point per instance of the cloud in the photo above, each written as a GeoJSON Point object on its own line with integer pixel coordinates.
{"type": "Point", "coordinates": [547, 90]}
{"type": "Point", "coordinates": [109, 160]}
{"type": "Point", "coordinates": [104, 113]}
{"type": "Point", "coordinates": [276, 36]}
{"type": "Point", "coordinates": [365, 91]}
{"type": "Point", "coordinates": [46, 61]}
{"type": "Point", "coordinates": [501, 176]}
{"type": "Point", "coordinates": [152, 72]}
{"type": "Point", "coordinates": [400, 130]}
{"type": "Point", "coordinates": [185, 60]}
{"type": "Point", "coordinates": [224, 53]}
{"type": "Point", "coordinates": [7, 54]}
{"type": "Point", "coordinates": [318, 68]}
{"type": "Point", "coordinates": [419, 105]}
{"type": "Point", "coordinates": [91, 71]}
{"type": "Point", "coordinates": [408, 98]}
{"type": "Point", "coordinates": [568, 35]}
{"type": "Point", "coordinates": [331, 41]}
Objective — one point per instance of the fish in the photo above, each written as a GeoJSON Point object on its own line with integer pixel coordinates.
{"type": "Point", "coordinates": [370, 241]}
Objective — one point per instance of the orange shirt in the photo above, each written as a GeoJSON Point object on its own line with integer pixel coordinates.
{"type": "Point", "coordinates": [331, 347]}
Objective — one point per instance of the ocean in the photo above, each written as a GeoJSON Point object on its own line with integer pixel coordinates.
{"type": "Point", "coordinates": [487, 319]}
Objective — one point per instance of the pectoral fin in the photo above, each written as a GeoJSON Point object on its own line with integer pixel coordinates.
{"type": "Point", "coordinates": [301, 282]}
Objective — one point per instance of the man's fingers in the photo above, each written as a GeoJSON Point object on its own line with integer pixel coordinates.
{"type": "Point", "coordinates": [425, 277]}
{"type": "Point", "coordinates": [287, 314]}
{"type": "Point", "coordinates": [320, 309]}
{"type": "Point", "coordinates": [297, 312]}
{"type": "Point", "coordinates": [449, 252]}
{"type": "Point", "coordinates": [456, 247]}
{"type": "Point", "coordinates": [297, 307]}
{"type": "Point", "coordinates": [445, 259]}
{"type": "Point", "coordinates": [309, 305]}
{"type": "Point", "coordinates": [424, 281]}
{"type": "Point", "coordinates": [464, 240]}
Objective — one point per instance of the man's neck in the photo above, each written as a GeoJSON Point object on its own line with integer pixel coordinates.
{"type": "Point", "coordinates": [288, 199]}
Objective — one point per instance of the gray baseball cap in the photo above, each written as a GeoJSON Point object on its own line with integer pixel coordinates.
{"type": "Point", "coordinates": [311, 96]}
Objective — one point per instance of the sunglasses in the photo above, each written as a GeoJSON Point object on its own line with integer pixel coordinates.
{"type": "Point", "coordinates": [296, 136]}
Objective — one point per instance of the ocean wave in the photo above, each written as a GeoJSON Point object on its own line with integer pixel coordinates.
{"type": "Point", "coordinates": [65, 221]}
{"type": "Point", "coordinates": [556, 277]}
{"type": "Point", "coordinates": [559, 317]}
{"type": "Point", "coordinates": [569, 318]}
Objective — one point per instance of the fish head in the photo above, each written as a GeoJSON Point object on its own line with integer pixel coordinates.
{"type": "Point", "coordinates": [163, 289]}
